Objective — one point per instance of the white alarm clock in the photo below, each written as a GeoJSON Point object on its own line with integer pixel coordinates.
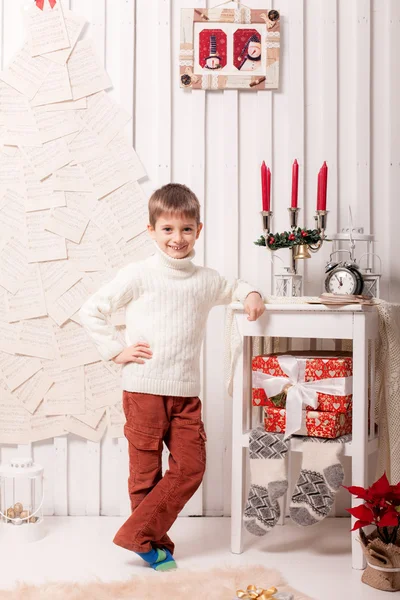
{"type": "Point", "coordinates": [343, 278]}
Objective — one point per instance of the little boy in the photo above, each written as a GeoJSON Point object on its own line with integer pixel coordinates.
{"type": "Point", "coordinates": [167, 300]}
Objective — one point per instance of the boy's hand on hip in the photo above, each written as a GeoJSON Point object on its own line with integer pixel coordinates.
{"type": "Point", "coordinates": [254, 306]}
{"type": "Point", "coordinates": [136, 353]}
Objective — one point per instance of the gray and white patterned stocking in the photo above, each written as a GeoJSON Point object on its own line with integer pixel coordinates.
{"type": "Point", "coordinates": [268, 480]}
{"type": "Point", "coordinates": [320, 478]}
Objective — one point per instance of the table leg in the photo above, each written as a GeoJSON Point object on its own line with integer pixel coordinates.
{"type": "Point", "coordinates": [360, 423]}
{"type": "Point", "coordinates": [241, 404]}
{"type": "Point", "coordinates": [372, 391]}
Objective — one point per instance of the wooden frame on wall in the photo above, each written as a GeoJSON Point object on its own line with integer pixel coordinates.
{"type": "Point", "coordinates": [235, 48]}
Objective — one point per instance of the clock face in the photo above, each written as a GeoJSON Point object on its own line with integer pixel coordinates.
{"type": "Point", "coordinates": [341, 281]}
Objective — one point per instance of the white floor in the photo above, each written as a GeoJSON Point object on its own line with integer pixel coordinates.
{"type": "Point", "coordinates": [316, 561]}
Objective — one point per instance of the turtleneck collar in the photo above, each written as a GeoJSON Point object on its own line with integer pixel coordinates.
{"type": "Point", "coordinates": [178, 264]}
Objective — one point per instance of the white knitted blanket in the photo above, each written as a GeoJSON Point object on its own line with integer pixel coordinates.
{"type": "Point", "coordinates": [387, 378]}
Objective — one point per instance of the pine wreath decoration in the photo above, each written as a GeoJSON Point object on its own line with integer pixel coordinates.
{"type": "Point", "coordinates": [288, 239]}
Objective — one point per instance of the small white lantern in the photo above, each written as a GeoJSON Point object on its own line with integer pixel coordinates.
{"type": "Point", "coordinates": [288, 284]}
{"type": "Point", "coordinates": [21, 501]}
{"type": "Point", "coordinates": [371, 283]}
{"type": "Point", "coordinates": [371, 278]}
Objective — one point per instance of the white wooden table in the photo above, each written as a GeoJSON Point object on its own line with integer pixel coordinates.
{"type": "Point", "coordinates": [356, 323]}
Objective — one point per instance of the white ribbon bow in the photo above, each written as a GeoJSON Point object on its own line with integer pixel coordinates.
{"type": "Point", "coordinates": [299, 392]}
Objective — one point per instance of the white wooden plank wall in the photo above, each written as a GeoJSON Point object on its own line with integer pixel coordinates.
{"type": "Point", "coordinates": [338, 101]}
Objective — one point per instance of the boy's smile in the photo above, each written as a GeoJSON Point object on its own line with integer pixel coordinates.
{"type": "Point", "coordinates": [175, 234]}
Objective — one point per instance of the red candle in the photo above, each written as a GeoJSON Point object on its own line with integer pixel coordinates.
{"type": "Point", "coordinates": [324, 171]}
{"type": "Point", "coordinates": [295, 183]}
{"type": "Point", "coordinates": [269, 188]}
{"type": "Point", "coordinates": [266, 187]}
{"type": "Point", "coordinates": [322, 187]}
{"type": "Point", "coordinates": [319, 189]}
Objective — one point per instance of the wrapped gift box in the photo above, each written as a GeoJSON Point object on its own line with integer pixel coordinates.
{"type": "Point", "coordinates": [314, 423]}
{"type": "Point", "coordinates": [320, 366]}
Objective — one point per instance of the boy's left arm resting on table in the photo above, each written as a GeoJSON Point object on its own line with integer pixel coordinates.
{"type": "Point", "coordinates": [233, 291]}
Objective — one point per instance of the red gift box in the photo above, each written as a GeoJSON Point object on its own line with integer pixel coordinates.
{"type": "Point", "coordinates": [320, 366]}
{"type": "Point", "coordinates": [314, 423]}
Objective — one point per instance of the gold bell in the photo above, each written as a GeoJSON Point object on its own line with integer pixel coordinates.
{"type": "Point", "coordinates": [301, 251]}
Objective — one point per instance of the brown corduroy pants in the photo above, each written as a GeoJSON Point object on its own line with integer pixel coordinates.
{"type": "Point", "coordinates": [157, 500]}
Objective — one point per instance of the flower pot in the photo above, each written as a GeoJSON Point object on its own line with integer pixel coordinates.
{"type": "Point", "coordinates": [383, 564]}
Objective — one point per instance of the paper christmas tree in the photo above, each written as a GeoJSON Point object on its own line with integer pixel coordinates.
{"type": "Point", "coordinates": [71, 214]}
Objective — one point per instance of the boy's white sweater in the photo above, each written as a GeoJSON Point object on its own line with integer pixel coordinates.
{"type": "Point", "coordinates": [167, 304]}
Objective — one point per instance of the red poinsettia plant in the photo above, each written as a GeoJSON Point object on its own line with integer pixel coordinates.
{"type": "Point", "coordinates": [381, 508]}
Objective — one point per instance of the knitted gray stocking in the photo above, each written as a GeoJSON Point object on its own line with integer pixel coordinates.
{"type": "Point", "coordinates": [268, 480]}
{"type": "Point", "coordinates": [320, 478]}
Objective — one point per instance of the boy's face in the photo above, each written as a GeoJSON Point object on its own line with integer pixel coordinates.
{"type": "Point", "coordinates": [175, 234]}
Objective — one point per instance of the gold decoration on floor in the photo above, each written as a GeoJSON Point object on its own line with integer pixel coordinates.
{"type": "Point", "coordinates": [256, 593]}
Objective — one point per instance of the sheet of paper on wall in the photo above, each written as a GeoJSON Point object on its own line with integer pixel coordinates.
{"type": "Point", "coordinates": [31, 393]}
{"type": "Point", "coordinates": [36, 338]}
{"type": "Point", "coordinates": [72, 178]}
{"type": "Point", "coordinates": [5, 239]}
{"type": "Point", "coordinates": [74, 347]}
{"type": "Point", "coordinates": [104, 386]}
{"type": "Point", "coordinates": [43, 427]}
{"type": "Point", "coordinates": [86, 73]}
{"type": "Point", "coordinates": [46, 29]}
{"type": "Point", "coordinates": [22, 134]}
{"type": "Point", "coordinates": [40, 195]}
{"type": "Point", "coordinates": [104, 117]}
{"type": "Point", "coordinates": [116, 421]}
{"type": "Point", "coordinates": [67, 395]}
{"type": "Point", "coordinates": [67, 105]}
{"type": "Point", "coordinates": [3, 305]}
{"type": "Point", "coordinates": [75, 24]}
{"type": "Point", "coordinates": [26, 73]}
{"type": "Point", "coordinates": [113, 367]}
{"type": "Point", "coordinates": [106, 173]}
{"type": "Point", "coordinates": [9, 337]}
{"type": "Point", "coordinates": [76, 427]}
{"type": "Point", "coordinates": [55, 88]}
{"type": "Point", "coordinates": [129, 160]}
{"type": "Point", "coordinates": [13, 265]}
{"type": "Point", "coordinates": [14, 106]}
{"type": "Point", "coordinates": [138, 248]}
{"type": "Point", "coordinates": [48, 158]}
{"type": "Point", "coordinates": [86, 144]}
{"type": "Point", "coordinates": [68, 304]}
{"type": "Point", "coordinates": [128, 205]}
{"type": "Point", "coordinates": [42, 245]}
{"type": "Point", "coordinates": [7, 150]}
{"type": "Point", "coordinates": [111, 251]}
{"type": "Point", "coordinates": [5, 392]}
{"type": "Point", "coordinates": [91, 417]}
{"type": "Point", "coordinates": [14, 424]}
{"type": "Point", "coordinates": [11, 172]}
{"type": "Point", "coordinates": [70, 222]}
{"type": "Point", "coordinates": [29, 302]}
{"type": "Point", "coordinates": [55, 125]}
{"type": "Point", "coordinates": [58, 277]}
{"type": "Point", "coordinates": [12, 214]}
{"type": "Point", "coordinates": [85, 256]}
{"type": "Point", "coordinates": [105, 220]}
{"type": "Point", "coordinates": [17, 369]}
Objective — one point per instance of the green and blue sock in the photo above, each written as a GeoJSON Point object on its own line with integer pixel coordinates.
{"type": "Point", "coordinates": [159, 559]}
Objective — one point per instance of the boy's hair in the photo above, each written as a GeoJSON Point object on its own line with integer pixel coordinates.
{"type": "Point", "coordinates": [174, 198]}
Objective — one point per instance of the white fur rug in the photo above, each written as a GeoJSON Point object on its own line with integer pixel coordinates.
{"type": "Point", "coordinates": [216, 584]}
